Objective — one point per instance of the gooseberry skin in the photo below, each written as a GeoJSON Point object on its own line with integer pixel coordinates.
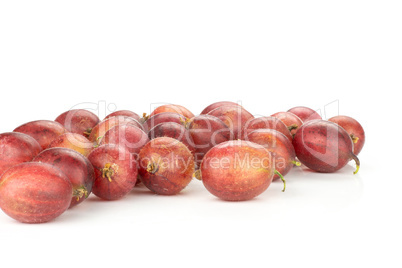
{"type": "Point", "coordinates": [44, 131]}
{"type": "Point", "coordinates": [207, 131]}
{"type": "Point", "coordinates": [34, 192]}
{"type": "Point", "coordinates": [218, 104]}
{"type": "Point", "coordinates": [237, 170]}
{"type": "Point", "coordinates": [74, 141]}
{"type": "Point", "coordinates": [323, 146]}
{"type": "Point", "coordinates": [162, 118]}
{"type": "Point", "coordinates": [266, 122]}
{"type": "Point", "coordinates": [115, 171]}
{"type": "Point", "coordinates": [305, 113]}
{"type": "Point", "coordinates": [235, 117]}
{"type": "Point", "coordinates": [75, 166]}
{"type": "Point", "coordinates": [127, 113]}
{"type": "Point", "coordinates": [175, 131]}
{"type": "Point", "coordinates": [166, 166]}
{"type": "Point", "coordinates": [278, 145]}
{"type": "Point", "coordinates": [129, 136]}
{"type": "Point", "coordinates": [104, 126]}
{"type": "Point", "coordinates": [292, 121]}
{"type": "Point", "coordinates": [16, 148]}
{"type": "Point", "coordinates": [78, 121]}
{"type": "Point", "coordinates": [355, 130]}
{"type": "Point", "coordinates": [173, 108]}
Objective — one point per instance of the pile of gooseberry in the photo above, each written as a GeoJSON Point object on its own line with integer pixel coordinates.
{"type": "Point", "coordinates": [47, 167]}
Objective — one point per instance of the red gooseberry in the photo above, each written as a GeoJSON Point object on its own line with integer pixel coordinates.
{"type": "Point", "coordinates": [34, 192]}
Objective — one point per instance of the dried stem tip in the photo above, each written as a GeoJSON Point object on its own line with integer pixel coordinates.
{"type": "Point", "coordinates": [107, 172]}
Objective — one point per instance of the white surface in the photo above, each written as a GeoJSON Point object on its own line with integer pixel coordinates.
{"type": "Point", "coordinates": [344, 55]}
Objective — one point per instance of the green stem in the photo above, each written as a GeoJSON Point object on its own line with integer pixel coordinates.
{"type": "Point", "coordinates": [98, 140]}
{"type": "Point", "coordinates": [296, 163]}
{"type": "Point", "coordinates": [282, 178]}
{"type": "Point", "coordinates": [354, 157]}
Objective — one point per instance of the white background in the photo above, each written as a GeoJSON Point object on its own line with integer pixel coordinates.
{"type": "Point", "coordinates": [345, 56]}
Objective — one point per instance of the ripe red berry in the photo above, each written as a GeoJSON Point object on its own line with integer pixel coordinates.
{"type": "Point", "coordinates": [175, 131]}
{"type": "Point", "coordinates": [266, 122]}
{"type": "Point", "coordinates": [16, 148]}
{"type": "Point", "coordinates": [279, 146]}
{"type": "Point", "coordinates": [305, 113]}
{"type": "Point", "coordinates": [207, 131]}
{"type": "Point", "coordinates": [104, 126]}
{"type": "Point", "coordinates": [162, 118]}
{"type": "Point", "coordinates": [129, 136]}
{"type": "Point", "coordinates": [115, 171]}
{"type": "Point", "coordinates": [324, 146]}
{"type": "Point", "coordinates": [235, 117]}
{"type": "Point", "coordinates": [292, 121]}
{"type": "Point", "coordinates": [237, 170]}
{"type": "Point", "coordinates": [77, 168]}
{"type": "Point", "coordinates": [355, 130]}
{"type": "Point", "coordinates": [44, 131]}
{"type": "Point", "coordinates": [78, 121]}
{"type": "Point", "coordinates": [34, 192]}
{"type": "Point", "coordinates": [173, 108]}
{"type": "Point", "coordinates": [166, 166]}
{"type": "Point", "coordinates": [218, 104]}
{"type": "Point", "coordinates": [73, 141]}
{"type": "Point", "coordinates": [124, 113]}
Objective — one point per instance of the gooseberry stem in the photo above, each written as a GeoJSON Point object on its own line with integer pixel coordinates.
{"type": "Point", "coordinates": [197, 175]}
{"type": "Point", "coordinates": [80, 192]}
{"type": "Point", "coordinates": [282, 178]}
{"type": "Point", "coordinates": [87, 132]}
{"type": "Point", "coordinates": [107, 172]}
{"type": "Point", "coordinates": [292, 127]}
{"type": "Point", "coordinates": [354, 157]}
{"type": "Point", "coordinates": [152, 167]}
{"type": "Point", "coordinates": [354, 138]}
{"type": "Point", "coordinates": [145, 117]}
{"type": "Point", "coordinates": [296, 163]}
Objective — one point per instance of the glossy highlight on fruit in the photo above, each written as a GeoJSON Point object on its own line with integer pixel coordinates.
{"type": "Point", "coordinates": [279, 146]}
{"type": "Point", "coordinates": [115, 171]}
{"type": "Point", "coordinates": [355, 130]}
{"type": "Point", "coordinates": [235, 117]}
{"type": "Point", "coordinates": [324, 146]}
{"type": "Point", "coordinates": [43, 131]}
{"type": "Point", "coordinates": [34, 192]}
{"type": "Point", "coordinates": [237, 170]}
{"type": "Point", "coordinates": [75, 166]}
{"type": "Point", "coordinates": [207, 131]}
{"type": "Point", "coordinates": [16, 148]}
{"type": "Point", "coordinates": [305, 113]}
{"type": "Point", "coordinates": [78, 121]}
{"type": "Point", "coordinates": [166, 166]}
{"type": "Point", "coordinates": [73, 141]}
{"type": "Point", "coordinates": [266, 122]}
{"type": "Point", "coordinates": [173, 108]}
